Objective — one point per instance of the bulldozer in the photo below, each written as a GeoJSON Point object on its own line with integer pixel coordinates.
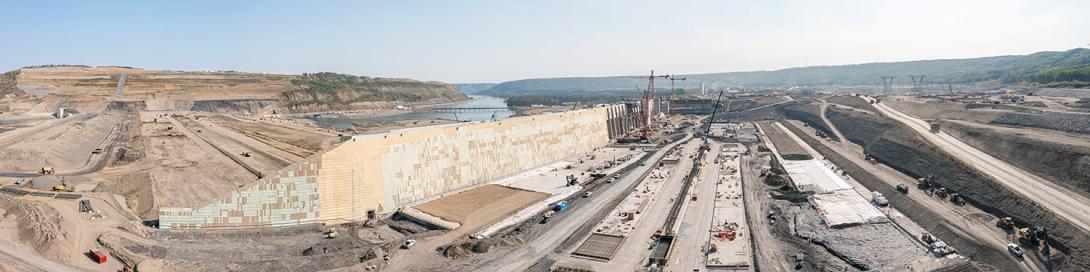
{"type": "Point", "coordinates": [60, 187]}
{"type": "Point", "coordinates": [1005, 223]}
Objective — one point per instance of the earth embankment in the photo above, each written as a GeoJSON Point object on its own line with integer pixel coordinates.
{"type": "Point", "coordinates": [894, 144]}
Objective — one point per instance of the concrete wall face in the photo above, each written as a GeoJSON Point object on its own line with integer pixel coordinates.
{"type": "Point", "coordinates": [288, 198]}
{"type": "Point", "coordinates": [377, 173]}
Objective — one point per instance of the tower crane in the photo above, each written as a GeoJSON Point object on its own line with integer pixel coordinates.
{"type": "Point", "coordinates": [673, 92]}
{"type": "Point", "coordinates": [648, 96]}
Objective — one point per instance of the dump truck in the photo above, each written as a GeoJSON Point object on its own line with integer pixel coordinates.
{"type": "Point", "coordinates": [48, 170]}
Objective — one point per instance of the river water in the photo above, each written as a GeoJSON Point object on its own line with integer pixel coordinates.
{"type": "Point", "coordinates": [477, 101]}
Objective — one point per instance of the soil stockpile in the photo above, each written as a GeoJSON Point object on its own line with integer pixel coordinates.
{"type": "Point", "coordinates": [1070, 122]}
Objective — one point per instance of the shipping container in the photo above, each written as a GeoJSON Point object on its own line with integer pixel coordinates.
{"type": "Point", "coordinates": [98, 256]}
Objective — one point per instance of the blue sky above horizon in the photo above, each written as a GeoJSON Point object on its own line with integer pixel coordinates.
{"type": "Point", "coordinates": [495, 41]}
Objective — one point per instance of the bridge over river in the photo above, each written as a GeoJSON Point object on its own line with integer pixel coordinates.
{"type": "Point", "coordinates": [468, 109]}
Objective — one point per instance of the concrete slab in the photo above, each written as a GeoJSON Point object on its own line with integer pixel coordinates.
{"type": "Point", "coordinates": [728, 218]}
{"type": "Point", "coordinates": [600, 246]}
{"type": "Point", "coordinates": [814, 176]}
{"type": "Point", "coordinates": [846, 208]}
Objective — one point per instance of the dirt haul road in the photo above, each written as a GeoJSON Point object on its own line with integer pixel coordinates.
{"type": "Point", "coordinates": [1064, 203]}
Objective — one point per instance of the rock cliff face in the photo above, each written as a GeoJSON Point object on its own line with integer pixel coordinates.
{"type": "Point", "coordinates": [330, 91]}
{"type": "Point", "coordinates": [89, 89]}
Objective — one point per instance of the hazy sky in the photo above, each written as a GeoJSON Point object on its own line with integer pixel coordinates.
{"type": "Point", "coordinates": [494, 41]}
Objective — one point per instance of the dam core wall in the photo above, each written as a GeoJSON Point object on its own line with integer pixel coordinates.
{"type": "Point", "coordinates": [373, 174]}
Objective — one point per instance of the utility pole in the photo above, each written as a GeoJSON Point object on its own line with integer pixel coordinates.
{"type": "Point", "coordinates": [917, 82]}
{"type": "Point", "coordinates": [887, 84]}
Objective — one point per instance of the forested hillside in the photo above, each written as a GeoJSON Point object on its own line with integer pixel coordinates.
{"type": "Point", "coordinates": [1050, 69]}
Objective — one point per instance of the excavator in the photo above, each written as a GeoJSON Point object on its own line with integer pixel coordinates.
{"type": "Point", "coordinates": [1005, 223]}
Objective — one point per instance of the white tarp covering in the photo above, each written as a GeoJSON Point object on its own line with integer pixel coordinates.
{"type": "Point", "coordinates": [846, 208]}
{"type": "Point", "coordinates": [814, 176]}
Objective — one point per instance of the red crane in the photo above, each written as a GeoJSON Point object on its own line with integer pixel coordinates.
{"type": "Point", "coordinates": [648, 96]}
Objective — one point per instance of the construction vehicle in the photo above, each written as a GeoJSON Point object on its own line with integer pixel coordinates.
{"type": "Point", "coordinates": [941, 192]}
{"type": "Point", "coordinates": [902, 188]}
{"type": "Point", "coordinates": [957, 199]}
{"type": "Point", "coordinates": [1025, 235]}
{"type": "Point", "coordinates": [59, 187]}
{"type": "Point", "coordinates": [798, 261]}
{"type": "Point", "coordinates": [48, 170]}
{"type": "Point", "coordinates": [245, 154]}
{"type": "Point", "coordinates": [1005, 223]}
{"type": "Point", "coordinates": [923, 184]}
{"type": "Point", "coordinates": [927, 238]}
{"type": "Point", "coordinates": [332, 233]}
{"type": "Point", "coordinates": [1015, 250]}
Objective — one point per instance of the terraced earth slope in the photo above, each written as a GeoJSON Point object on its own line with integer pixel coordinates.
{"type": "Point", "coordinates": [91, 89]}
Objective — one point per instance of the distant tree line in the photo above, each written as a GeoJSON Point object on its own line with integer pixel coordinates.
{"type": "Point", "coordinates": [1075, 77]}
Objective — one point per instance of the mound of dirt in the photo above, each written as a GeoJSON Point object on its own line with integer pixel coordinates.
{"type": "Point", "coordinates": [138, 190]}
{"type": "Point", "coordinates": [39, 226]}
{"type": "Point", "coordinates": [1070, 122]}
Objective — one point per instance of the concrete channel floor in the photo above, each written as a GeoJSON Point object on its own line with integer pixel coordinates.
{"type": "Point", "coordinates": [696, 219]}
{"type": "Point", "coordinates": [636, 248]}
{"type": "Point", "coordinates": [544, 246]}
